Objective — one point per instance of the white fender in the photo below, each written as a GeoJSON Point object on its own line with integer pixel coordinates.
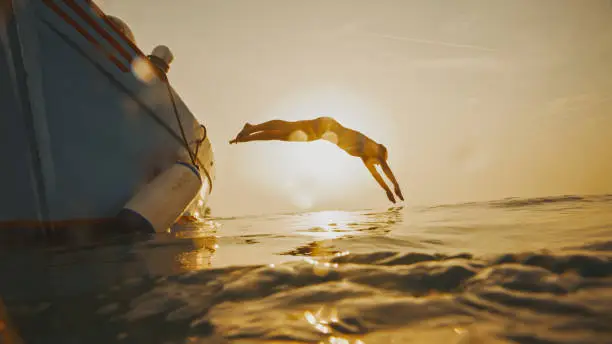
{"type": "Point", "coordinates": [161, 202]}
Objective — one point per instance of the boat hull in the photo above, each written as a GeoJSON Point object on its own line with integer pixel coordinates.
{"type": "Point", "coordinates": [83, 127]}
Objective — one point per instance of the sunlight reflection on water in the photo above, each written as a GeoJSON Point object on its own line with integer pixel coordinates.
{"type": "Point", "coordinates": [328, 224]}
{"type": "Point", "coordinates": [448, 274]}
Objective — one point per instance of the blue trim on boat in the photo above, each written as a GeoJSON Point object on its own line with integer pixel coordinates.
{"type": "Point", "coordinates": [134, 222]}
{"type": "Point", "coordinates": [191, 167]}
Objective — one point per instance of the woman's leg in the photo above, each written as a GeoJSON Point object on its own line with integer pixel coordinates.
{"type": "Point", "coordinates": [275, 124]}
{"type": "Point", "coordinates": [278, 126]}
{"type": "Point", "coordinates": [268, 135]}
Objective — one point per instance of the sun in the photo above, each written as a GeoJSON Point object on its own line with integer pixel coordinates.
{"type": "Point", "coordinates": [313, 172]}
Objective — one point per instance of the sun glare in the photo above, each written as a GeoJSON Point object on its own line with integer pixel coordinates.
{"type": "Point", "coordinates": [311, 172]}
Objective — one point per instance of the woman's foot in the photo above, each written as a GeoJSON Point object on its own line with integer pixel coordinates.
{"type": "Point", "coordinates": [246, 127]}
{"type": "Point", "coordinates": [242, 133]}
{"type": "Point", "coordinates": [235, 140]}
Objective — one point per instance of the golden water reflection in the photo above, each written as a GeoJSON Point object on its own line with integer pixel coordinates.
{"type": "Point", "coordinates": [200, 233]}
{"type": "Point", "coordinates": [324, 227]}
{"type": "Point", "coordinates": [312, 235]}
{"type": "Point", "coordinates": [327, 226]}
{"type": "Point", "coordinates": [336, 223]}
{"type": "Point", "coordinates": [201, 256]}
{"type": "Point", "coordinates": [321, 321]}
{"type": "Point", "coordinates": [330, 224]}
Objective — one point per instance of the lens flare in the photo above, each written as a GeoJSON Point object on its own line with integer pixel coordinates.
{"type": "Point", "coordinates": [330, 136]}
{"type": "Point", "coordinates": [143, 70]}
{"type": "Point", "coordinates": [298, 136]}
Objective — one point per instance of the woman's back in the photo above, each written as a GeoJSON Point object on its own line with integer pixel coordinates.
{"type": "Point", "coordinates": [351, 141]}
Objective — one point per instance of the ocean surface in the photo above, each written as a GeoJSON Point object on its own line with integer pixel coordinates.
{"type": "Point", "coordinates": [509, 271]}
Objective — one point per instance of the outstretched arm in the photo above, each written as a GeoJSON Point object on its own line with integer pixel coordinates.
{"type": "Point", "coordinates": [381, 182]}
{"type": "Point", "coordinates": [389, 174]}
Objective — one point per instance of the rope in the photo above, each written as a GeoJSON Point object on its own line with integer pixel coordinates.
{"type": "Point", "coordinates": [180, 123]}
{"type": "Point", "coordinates": [200, 141]}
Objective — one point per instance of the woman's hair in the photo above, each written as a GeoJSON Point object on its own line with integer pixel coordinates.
{"type": "Point", "coordinates": [382, 152]}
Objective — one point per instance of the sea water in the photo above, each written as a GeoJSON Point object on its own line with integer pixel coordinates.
{"type": "Point", "coordinates": [508, 271]}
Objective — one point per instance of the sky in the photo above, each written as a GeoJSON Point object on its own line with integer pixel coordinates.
{"type": "Point", "coordinates": [475, 99]}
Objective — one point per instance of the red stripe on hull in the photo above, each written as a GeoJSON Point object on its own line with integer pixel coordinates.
{"type": "Point", "coordinates": [100, 30]}
{"type": "Point", "coordinates": [85, 34]}
{"type": "Point", "coordinates": [101, 14]}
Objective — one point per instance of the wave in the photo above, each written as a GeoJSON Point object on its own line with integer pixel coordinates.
{"type": "Point", "coordinates": [507, 203]}
{"type": "Point", "coordinates": [532, 297]}
{"type": "Point", "coordinates": [515, 202]}
{"type": "Point", "coordinates": [526, 202]}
